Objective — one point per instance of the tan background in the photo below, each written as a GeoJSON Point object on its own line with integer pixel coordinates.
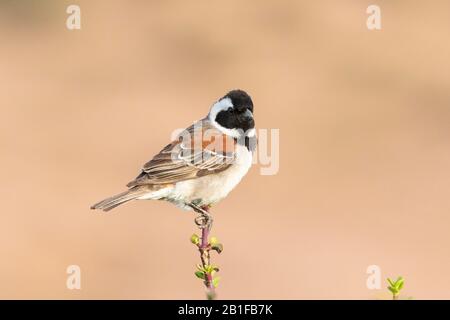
{"type": "Point", "coordinates": [365, 146]}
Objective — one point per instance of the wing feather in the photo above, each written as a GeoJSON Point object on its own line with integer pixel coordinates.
{"type": "Point", "coordinates": [198, 151]}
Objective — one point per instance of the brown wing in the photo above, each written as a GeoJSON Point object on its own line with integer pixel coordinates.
{"type": "Point", "coordinates": [199, 150]}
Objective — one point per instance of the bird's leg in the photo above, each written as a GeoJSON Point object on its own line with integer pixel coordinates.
{"type": "Point", "coordinates": [205, 219]}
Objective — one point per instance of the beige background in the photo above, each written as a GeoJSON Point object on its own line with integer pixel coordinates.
{"type": "Point", "coordinates": [364, 146]}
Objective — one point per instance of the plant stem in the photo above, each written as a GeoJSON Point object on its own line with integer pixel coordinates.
{"type": "Point", "coordinates": [205, 257]}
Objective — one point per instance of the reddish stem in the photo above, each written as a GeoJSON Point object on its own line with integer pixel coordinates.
{"type": "Point", "coordinates": [205, 235]}
{"type": "Point", "coordinates": [205, 258]}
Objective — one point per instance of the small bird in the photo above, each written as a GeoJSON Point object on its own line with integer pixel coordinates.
{"type": "Point", "coordinates": [204, 163]}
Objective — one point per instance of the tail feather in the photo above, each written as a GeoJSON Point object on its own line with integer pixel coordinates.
{"type": "Point", "coordinates": [114, 201]}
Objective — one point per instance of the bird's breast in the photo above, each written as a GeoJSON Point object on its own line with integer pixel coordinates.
{"type": "Point", "coordinates": [212, 188]}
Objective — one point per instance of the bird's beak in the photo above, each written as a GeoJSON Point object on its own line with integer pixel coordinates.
{"type": "Point", "coordinates": [247, 115]}
{"type": "Point", "coordinates": [246, 120]}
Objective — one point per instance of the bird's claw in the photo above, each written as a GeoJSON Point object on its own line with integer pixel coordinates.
{"type": "Point", "coordinates": [204, 220]}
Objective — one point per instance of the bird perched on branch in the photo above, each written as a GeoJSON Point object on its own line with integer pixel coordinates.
{"type": "Point", "coordinates": [203, 164]}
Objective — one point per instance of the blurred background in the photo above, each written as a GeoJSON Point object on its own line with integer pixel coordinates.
{"type": "Point", "coordinates": [364, 173]}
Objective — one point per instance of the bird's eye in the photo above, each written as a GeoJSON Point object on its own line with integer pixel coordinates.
{"type": "Point", "coordinates": [230, 110]}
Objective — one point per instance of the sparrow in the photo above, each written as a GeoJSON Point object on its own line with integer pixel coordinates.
{"type": "Point", "coordinates": [203, 164]}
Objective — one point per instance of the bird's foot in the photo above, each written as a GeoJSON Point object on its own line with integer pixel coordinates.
{"type": "Point", "coordinates": [205, 219]}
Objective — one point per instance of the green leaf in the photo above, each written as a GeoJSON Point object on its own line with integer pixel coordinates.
{"type": "Point", "coordinates": [217, 247]}
{"type": "Point", "coordinates": [207, 268]}
{"type": "Point", "coordinates": [195, 239]}
{"type": "Point", "coordinates": [392, 290]}
{"type": "Point", "coordinates": [213, 240]}
{"type": "Point", "coordinates": [200, 275]}
{"type": "Point", "coordinates": [399, 280]}
{"type": "Point", "coordinates": [215, 282]}
{"type": "Point", "coordinates": [392, 283]}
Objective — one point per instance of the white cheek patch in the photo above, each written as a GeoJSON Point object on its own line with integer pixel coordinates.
{"type": "Point", "coordinates": [220, 105]}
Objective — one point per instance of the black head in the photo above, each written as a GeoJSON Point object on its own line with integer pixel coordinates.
{"type": "Point", "coordinates": [240, 99]}
{"type": "Point", "coordinates": [234, 111]}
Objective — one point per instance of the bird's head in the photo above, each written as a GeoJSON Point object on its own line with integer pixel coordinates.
{"type": "Point", "coordinates": [233, 114]}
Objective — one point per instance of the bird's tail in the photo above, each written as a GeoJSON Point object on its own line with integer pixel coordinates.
{"type": "Point", "coordinates": [114, 201]}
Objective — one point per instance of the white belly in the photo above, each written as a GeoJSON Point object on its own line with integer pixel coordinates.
{"type": "Point", "coordinates": [213, 188]}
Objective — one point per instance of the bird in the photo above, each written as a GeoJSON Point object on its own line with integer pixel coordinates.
{"type": "Point", "coordinates": [202, 165]}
